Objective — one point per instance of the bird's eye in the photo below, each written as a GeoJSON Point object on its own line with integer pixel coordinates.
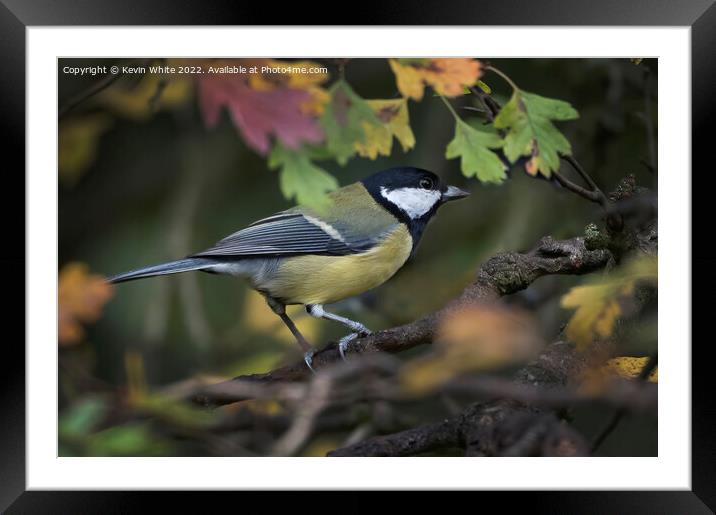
{"type": "Point", "coordinates": [426, 183]}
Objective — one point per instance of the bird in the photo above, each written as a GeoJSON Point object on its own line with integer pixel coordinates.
{"type": "Point", "coordinates": [353, 242]}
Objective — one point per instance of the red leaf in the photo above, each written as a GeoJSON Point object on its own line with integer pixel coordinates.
{"type": "Point", "coordinates": [259, 114]}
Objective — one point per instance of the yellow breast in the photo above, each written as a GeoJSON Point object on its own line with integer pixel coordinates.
{"type": "Point", "coordinates": [314, 279]}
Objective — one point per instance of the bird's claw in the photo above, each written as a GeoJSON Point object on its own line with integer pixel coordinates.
{"type": "Point", "coordinates": [308, 359]}
{"type": "Point", "coordinates": [343, 342]}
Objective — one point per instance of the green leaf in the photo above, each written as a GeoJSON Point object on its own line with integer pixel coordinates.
{"type": "Point", "coordinates": [81, 418]}
{"type": "Point", "coordinates": [300, 178]}
{"type": "Point", "coordinates": [343, 121]}
{"type": "Point", "coordinates": [530, 132]}
{"type": "Point", "coordinates": [133, 439]}
{"type": "Point", "coordinates": [473, 146]}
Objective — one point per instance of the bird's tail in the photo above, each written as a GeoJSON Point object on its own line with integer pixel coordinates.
{"type": "Point", "coordinates": [173, 267]}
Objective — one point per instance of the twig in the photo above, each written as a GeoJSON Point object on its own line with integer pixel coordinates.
{"type": "Point", "coordinates": [303, 422]}
{"type": "Point", "coordinates": [406, 443]}
{"type": "Point", "coordinates": [593, 194]}
{"type": "Point", "coordinates": [98, 86]}
{"type": "Point", "coordinates": [496, 427]}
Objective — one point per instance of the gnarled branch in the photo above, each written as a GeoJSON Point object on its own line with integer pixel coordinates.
{"type": "Point", "coordinates": [503, 274]}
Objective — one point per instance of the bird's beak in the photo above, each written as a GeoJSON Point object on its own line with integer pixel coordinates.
{"type": "Point", "coordinates": [453, 193]}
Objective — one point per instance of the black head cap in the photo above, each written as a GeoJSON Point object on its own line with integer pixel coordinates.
{"type": "Point", "coordinates": [412, 195]}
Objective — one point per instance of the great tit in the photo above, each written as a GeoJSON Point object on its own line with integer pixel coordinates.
{"type": "Point", "coordinates": [362, 236]}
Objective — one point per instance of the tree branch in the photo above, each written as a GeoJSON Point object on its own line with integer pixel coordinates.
{"type": "Point", "coordinates": [500, 275]}
{"type": "Point", "coordinates": [499, 427]}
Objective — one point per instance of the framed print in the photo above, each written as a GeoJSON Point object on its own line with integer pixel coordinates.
{"type": "Point", "coordinates": [350, 257]}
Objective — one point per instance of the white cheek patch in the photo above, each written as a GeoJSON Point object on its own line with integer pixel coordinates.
{"type": "Point", "coordinates": [415, 202]}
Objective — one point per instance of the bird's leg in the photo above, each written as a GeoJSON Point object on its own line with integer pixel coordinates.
{"type": "Point", "coordinates": [308, 350]}
{"type": "Point", "coordinates": [358, 329]}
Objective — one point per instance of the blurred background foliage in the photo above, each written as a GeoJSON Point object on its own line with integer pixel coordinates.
{"type": "Point", "coordinates": [142, 180]}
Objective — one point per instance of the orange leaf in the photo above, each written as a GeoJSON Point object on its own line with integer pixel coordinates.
{"type": "Point", "coordinates": [81, 296]}
{"type": "Point", "coordinates": [448, 76]}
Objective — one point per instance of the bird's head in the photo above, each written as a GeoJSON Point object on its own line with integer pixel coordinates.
{"type": "Point", "coordinates": [411, 194]}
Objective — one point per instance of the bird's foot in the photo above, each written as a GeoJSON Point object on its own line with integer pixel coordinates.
{"type": "Point", "coordinates": [308, 359]}
{"type": "Point", "coordinates": [343, 342]}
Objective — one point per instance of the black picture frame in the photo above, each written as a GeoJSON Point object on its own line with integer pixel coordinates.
{"type": "Point", "coordinates": [17, 15]}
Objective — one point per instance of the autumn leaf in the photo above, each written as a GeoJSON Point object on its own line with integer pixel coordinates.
{"type": "Point", "coordinates": [473, 338]}
{"type": "Point", "coordinates": [345, 120]}
{"type": "Point", "coordinates": [530, 132]}
{"type": "Point", "coordinates": [78, 140]}
{"type": "Point", "coordinates": [597, 379]}
{"type": "Point", "coordinates": [259, 114]}
{"type": "Point", "coordinates": [631, 367]}
{"type": "Point", "coordinates": [141, 100]}
{"type": "Point", "coordinates": [473, 146]}
{"type": "Point", "coordinates": [393, 120]}
{"type": "Point", "coordinates": [309, 82]}
{"type": "Point", "coordinates": [448, 76]}
{"type": "Point", "coordinates": [300, 178]}
{"type": "Point", "coordinates": [599, 305]}
{"type": "Point", "coordinates": [81, 296]}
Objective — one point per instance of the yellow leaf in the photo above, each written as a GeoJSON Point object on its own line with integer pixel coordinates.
{"type": "Point", "coordinates": [291, 77]}
{"type": "Point", "coordinates": [81, 297]}
{"type": "Point", "coordinates": [409, 79]}
{"type": "Point", "coordinates": [597, 308]}
{"type": "Point", "coordinates": [479, 337]}
{"type": "Point", "coordinates": [135, 102]}
{"type": "Point", "coordinates": [78, 140]}
{"type": "Point", "coordinates": [630, 368]}
{"type": "Point", "coordinates": [599, 305]}
{"type": "Point", "coordinates": [393, 120]}
{"type": "Point", "coordinates": [448, 76]}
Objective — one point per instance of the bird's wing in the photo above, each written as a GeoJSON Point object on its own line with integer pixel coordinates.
{"type": "Point", "coordinates": [290, 233]}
